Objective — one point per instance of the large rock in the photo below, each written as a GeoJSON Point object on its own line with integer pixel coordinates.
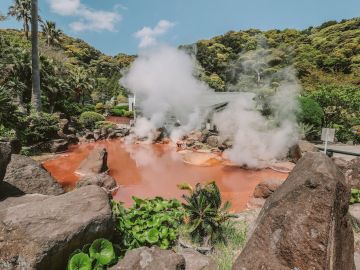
{"type": "Point", "coordinates": [154, 258]}
{"type": "Point", "coordinates": [103, 180]}
{"type": "Point", "coordinates": [58, 145]}
{"type": "Point", "coordinates": [351, 170]}
{"type": "Point", "coordinates": [305, 223]}
{"type": "Point", "coordinates": [40, 232]}
{"type": "Point", "coordinates": [28, 176]}
{"type": "Point", "coordinates": [5, 155]}
{"type": "Point", "coordinates": [94, 163]}
{"type": "Point", "coordinates": [300, 149]}
{"type": "Point", "coordinates": [197, 261]}
{"type": "Point", "coordinates": [266, 188]}
{"type": "Point", "coordinates": [213, 141]}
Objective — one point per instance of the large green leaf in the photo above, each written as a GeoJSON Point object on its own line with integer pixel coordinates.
{"type": "Point", "coordinates": [102, 250]}
{"type": "Point", "coordinates": [80, 261]}
{"type": "Point", "coordinates": [152, 236]}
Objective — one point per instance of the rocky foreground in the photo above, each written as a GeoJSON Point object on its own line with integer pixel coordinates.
{"type": "Point", "coordinates": [304, 224]}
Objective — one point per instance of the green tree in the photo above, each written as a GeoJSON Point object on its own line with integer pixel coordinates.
{"type": "Point", "coordinates": [36, 91]}
{"type": "Point", "coordinates": [51, 33]}
{"type": "Point", "coordinates": [21, 10]}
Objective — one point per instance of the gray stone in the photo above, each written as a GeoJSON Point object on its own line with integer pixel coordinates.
{"type": "Point", "coordinates": [197, 261]}
{"type": "Point", "coordinates": [300, 149]}
{"type": "Point", "coordinates": [58, 145]}
{"type": "Point", "coordinates": [354, 211]}
{"type": "Point", "coordinates": [28, 176]}
{"type": "Point", "coordinates": [40, 232]}
{"type": "Point", "coordinates": [94, 163]}
{"type": "Point", "coordinates": [305, 223]}
{"type": "Point", "coordinates": [153, 258]}
{"type": "Point", "coordinates": [101, 180]}
{"type": "Point", "coordinates": [213, 141]}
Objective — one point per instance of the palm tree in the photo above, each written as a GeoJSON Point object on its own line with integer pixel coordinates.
{"type": "Point", "coordinates": [82, 83]}
{"type": "Point", "coordinates": [52, 34]}
{"type": "Point", "coordinates": [36, 92]}
{"type": "Point", "coordinates": [21, 10]}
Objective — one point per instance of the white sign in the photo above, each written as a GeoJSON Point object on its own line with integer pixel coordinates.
{"type": "Point", "coordinates": [328, 134]}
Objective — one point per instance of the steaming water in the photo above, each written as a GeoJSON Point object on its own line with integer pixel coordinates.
{"type": "Point", "coordinates": [147, 171]}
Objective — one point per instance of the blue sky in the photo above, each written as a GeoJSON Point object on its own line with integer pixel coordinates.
{"type": "Point", "coordinates": [111, 25]}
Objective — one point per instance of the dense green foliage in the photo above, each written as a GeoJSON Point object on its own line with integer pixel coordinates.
{"type": "Point", "coordinates": [74, 75]}
{"type": "Point", "coordinates": [39, 127]}
{"type": "Point", "coordinates": [205, 214]}
{"type": "Point", "coordinates": [96, 256]}
{"type": "Point", "coordinates": [89, 119]}
{"type": "Point", "coordinates": [148, 223]}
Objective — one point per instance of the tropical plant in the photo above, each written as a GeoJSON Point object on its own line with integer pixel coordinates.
{"type": "Point", "coordinates": [96, 256]}
{"type": "Point", "coordinates": [51, 33]}
{"type": "Point", "coordinates": [205, 213]}
{"type": "Point", "coordinates": [89, 119]}
{"type": "Point", "coordinates": [21, 10]}
{"type": "Point", "coordinates": [148, 222]}
{"type": "Point", "coordinates": [82, 83]}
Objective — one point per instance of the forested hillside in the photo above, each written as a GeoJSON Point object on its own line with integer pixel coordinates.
{"type": "Point", "coordinates": [325, 59]}
{"type": "Point", "coordinates": [75, 77]}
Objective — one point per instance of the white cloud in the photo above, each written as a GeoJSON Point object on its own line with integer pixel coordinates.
{"type": "Point", "coordinates": [148, 35]}
{"type": "Point", "coordinates": [88, 19]}
{"type": "Point", "coordinates": [65, 7]}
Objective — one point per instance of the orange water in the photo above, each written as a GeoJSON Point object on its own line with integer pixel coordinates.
{"type": "Point", "coordinates": [147, 171]}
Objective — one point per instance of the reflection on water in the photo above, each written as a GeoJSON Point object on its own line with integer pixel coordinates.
{"type": "Point", "coordinates": [155, 170]}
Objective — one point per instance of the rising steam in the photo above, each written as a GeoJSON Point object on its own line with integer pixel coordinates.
{"type": "Point", "coordinates": [261, 124]}
{"type": "Point", "coordinates": [162, 80]}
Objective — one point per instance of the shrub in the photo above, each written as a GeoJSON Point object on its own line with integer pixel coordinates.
{"type": "Point", "coordinates": [355, 196]}
{"type": "Point", "coordinates": [100, 107]}
{"type": "Point", "coordinates": [104, 124]}
{"type": "Point", "coordinates": [40, 127]}
{"type": "Point", "coordinates": [89, 119]}
{"type": "Point", "coordinates": [148, 223]}
{"type": "Point", "coordinates": [117, 112]}
{"type": "Point", "coordinates": [96, 256]}
{"type": "Point", "coordinates": [311, 112]}
{"type": "Point", "coordinates": [205, 214]}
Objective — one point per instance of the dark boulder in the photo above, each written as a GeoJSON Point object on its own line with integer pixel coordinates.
{"type": "Point", "coordinates": [40, 232]}
{"type": "Point", "coordinates": [300, 149]}
{"type": "Point", "coordinates": [28, 176]}
{"type": "Point", "coordinates": [266, 188]}
{"type": "Point", "coordinates": [5, 155]}
{"type": "Point", "coordinates": [305, 223]}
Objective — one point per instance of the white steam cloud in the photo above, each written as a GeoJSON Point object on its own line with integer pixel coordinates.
{"type": "Point", "coordinates": [162, 80]}
{"type": "Point", "coordinates": [258, 140]}
{"type": "Point", "coordinates": [261, 124]}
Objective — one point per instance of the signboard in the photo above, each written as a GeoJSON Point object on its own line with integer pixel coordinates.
{"type": "Point", "coordinates": [328, 134]}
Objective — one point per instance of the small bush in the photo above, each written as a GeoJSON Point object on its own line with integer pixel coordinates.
{"type": "Point", "coordinates": [148, 223]}
{"type": "Point", "coordinates": [100, 108]}
{"type": "Point", "coordinates": [104, 124]}
{"type": "Point", "coordinates": [40, 127]}
{"type": "Point", "coordinates": [311, 112]}
{"type": "Point", "coordinates": [355, 196]}
{"type": "Point", "coordinates": [89, 119]}
{"type": "Point", "coordinates": [117, 112]}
